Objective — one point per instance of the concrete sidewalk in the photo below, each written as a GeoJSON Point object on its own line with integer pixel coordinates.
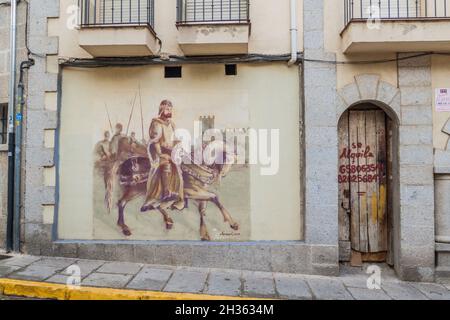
{"type": "Point", "coordinates": [351, 284]}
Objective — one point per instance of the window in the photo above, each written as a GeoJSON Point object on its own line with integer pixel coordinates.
{"type": "Point", "coordinates": [235, 11]}
{"type": "Point", "coordinates": [116, 12]}
{"type": "Point", "coordinates": [3, 123]}
{"type": "Point", "coordinates": [396, 9]}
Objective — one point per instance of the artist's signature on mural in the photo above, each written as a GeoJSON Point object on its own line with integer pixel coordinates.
{"type": "Point", "coordinates": [222, 235]}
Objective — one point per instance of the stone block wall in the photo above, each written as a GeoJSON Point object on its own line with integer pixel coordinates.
{"type": "Point", "coordinates": [416, 259]}
{"type": "Point", "coordinates": [320, 130]}
{"type": "Point", "coordinates": [5, 18]}
{"type": "Point", "coordinates": [3, 193]}
{"type": "Point", "coordinates": [412, 196]}
{"type": "Point", "coordinates": [41, 123]}
{"type": "Point", "coordinates": [317, 255]}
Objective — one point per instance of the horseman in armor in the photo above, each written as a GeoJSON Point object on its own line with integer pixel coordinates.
{"type": "Point", "coordinates": [165, 182]}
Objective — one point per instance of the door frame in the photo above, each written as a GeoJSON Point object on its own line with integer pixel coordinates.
{"type": "Point", "coordinates": [393, 184]}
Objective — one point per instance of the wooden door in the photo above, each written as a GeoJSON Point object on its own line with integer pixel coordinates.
{"type": "Point", "coordinates": [363, 182]}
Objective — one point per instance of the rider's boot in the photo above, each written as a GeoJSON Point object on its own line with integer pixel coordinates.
{"type": "Point", "coordinates": [167, 195]}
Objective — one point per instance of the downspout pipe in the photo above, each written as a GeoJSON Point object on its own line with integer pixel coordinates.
{"type": "Point", "coordinates": [11, 135]}
{"type": "Point", "coordinates": [18, 156]}
{"type": "Point", "coordinates": [294, 33]}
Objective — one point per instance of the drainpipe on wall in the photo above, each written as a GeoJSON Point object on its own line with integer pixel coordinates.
{"type": "Point", "coordinates": [18, 156]}
{"type": "Point", "coordinates": [11, 135]}
{"type": "Point", "coordinates": [294, 33]}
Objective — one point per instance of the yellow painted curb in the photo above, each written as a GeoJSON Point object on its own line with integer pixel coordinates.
{"type": "Point", "coordinates": [44, 290]}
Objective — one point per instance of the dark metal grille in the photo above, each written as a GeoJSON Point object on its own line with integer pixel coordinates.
{"type": "Point", "coordinates": [395, 9]}
{"type": "Point", "coordinates": [212, 11]}
{"type": "Point", "coordinates": [3, 123]}
{"type": "Point", "coordinates": [116, 12]}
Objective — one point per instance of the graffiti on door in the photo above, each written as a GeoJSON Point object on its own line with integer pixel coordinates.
{"type": "Point", "coordinates": [360, 169]}
{"type": "Point", "coordinates": [362, 179]}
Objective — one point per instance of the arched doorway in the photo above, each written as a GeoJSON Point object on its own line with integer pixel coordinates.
{"type": "Point", "coordinates": [366, 135]}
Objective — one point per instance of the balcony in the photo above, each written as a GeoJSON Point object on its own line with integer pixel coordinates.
{"type": "Point", "coordinates": [117, 28]}
{"type": "Point", "coordinates": [396, 26]}
{"type": "Point", "coordinates": [213, 27]}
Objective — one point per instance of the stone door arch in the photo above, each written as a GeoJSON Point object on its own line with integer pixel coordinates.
{"type": "Point", "coordinates": [366, 183]}
{"type": "Point", "coordinates": [412, 248]}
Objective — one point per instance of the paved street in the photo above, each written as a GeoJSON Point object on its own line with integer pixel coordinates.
{"type": "Point", "coordinates": [351, 284]}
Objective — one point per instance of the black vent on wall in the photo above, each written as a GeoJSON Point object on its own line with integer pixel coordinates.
{"type": "Point", "coordinates": [3, 123]}
{"type": "Point", "coordinates": [230, 69]}
{"type": "Point", "coordinates": [172, 72]}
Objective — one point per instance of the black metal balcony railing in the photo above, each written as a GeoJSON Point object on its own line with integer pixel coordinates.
{"type": "Point", "coordinates": [395, 9]}
{"type": "Point", "coordinates": [116, 12]}
{"type": "Point", "coordinates": [213, 11]}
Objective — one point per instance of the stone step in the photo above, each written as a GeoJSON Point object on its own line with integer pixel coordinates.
{"type": "Point", "coordinates": [443, 272]}
{"type": "Point", "coordinates": [442, 247]}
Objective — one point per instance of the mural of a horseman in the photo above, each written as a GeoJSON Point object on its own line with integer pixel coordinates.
{"type": "Point", "coordinates": [148, 171]}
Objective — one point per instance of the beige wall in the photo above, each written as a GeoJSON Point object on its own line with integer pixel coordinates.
{"type": "Point", "coordinates": [251, 99]}
{"type": "Point", "coordinates": [334, 24]}
{"type": "Point", "coordinates": [270, 24]}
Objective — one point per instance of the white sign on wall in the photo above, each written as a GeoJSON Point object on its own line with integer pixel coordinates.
{"type": "Point", "coordinates": [443, 99]}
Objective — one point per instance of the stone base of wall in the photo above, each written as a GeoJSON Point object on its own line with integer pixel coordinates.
{"type": "Point", "coordinates": [286, 257]}
{"type": "Point", "coordinates": [442, 260]}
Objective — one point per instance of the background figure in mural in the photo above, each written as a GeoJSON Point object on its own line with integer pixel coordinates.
{"type": "Point", "coordinates": [165, 183]}
{"type": "Point", "coordinates": [136, 146]}
{"type": "Point", "coordinates": [102, 148]}
{"type": "Point", "coordinates": [115, 141]}
{"type": "Point", "coordinates": [104, 165]}
{"type": "Point", "coordinates": [133, 140]}
{"type": "Point", "coordinates": [114, 165]}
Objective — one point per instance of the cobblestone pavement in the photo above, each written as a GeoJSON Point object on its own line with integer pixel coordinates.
{"type": "Point", "coordinates": [351, 284]}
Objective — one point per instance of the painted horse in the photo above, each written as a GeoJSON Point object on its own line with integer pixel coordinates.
{"type": "Point", "coordinates": [197, 179]}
